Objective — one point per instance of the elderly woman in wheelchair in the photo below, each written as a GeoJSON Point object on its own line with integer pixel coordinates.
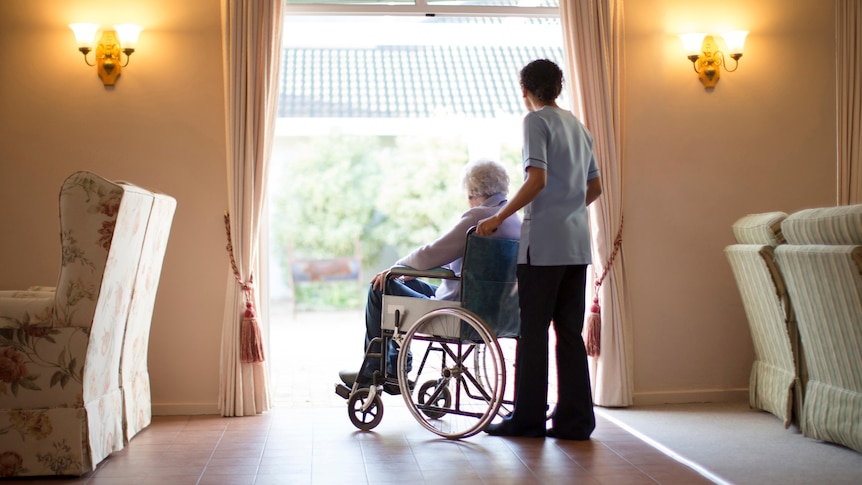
{"type": "Point", "coordinates": [460, 357]}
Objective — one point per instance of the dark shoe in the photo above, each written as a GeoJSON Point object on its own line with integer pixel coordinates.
{"type": "Point", "coordinates": [348, 378]}
{"type": "Point", "coordinates": [394, 388]}
{"type": "Point", "coordinates": [552, 433]}
{"type": "Point", "coordinates": [498, 429]}
{"type": "Point", "coordinates": [507, 428]}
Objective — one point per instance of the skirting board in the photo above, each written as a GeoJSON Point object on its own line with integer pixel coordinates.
{"type": "Point", "coordinates": [690, 396]}
{"type": "Point", "coordinates": [195, 409]}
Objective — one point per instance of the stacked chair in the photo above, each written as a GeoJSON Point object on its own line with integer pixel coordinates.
{"type": "Point", "coordinates": [822, 264]}
{"type": "Point", "coordinates": [777, 373]}
{"type": "Point", "coordinates": [814, 283]}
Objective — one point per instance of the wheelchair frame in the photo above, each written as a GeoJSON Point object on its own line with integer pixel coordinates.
{"type": "Point", "coordinates": [463, 394]}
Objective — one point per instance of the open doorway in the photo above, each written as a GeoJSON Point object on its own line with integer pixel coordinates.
{"type": "Point", "coordinates": [377, 117]}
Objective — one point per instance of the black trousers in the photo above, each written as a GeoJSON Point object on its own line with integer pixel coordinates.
{"type": "Point", "coordinates": [555, 293]}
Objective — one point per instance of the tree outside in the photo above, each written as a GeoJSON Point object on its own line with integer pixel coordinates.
{"type": "Point", "coordinates": [373, 198]}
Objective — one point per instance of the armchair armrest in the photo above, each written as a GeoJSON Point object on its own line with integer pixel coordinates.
{"type": "Point", "coordinates": [45, 367]}
{"type": "Point", "coordinates": [440, 273]}
{"type": "Point", "coordinates": [19, 308]}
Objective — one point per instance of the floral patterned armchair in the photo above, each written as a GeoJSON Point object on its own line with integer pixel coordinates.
{"type": "Point", "coordinates": [61, 401]}
{"type": "Point", "coordinates": [134, 374]}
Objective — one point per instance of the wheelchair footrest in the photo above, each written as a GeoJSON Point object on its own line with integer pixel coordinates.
{"type": "Point", "coordinates": [342, 391]}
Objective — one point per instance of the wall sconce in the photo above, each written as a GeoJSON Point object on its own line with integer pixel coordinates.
{"type": "Point", "coordinates": [705, 57]}
{"type": "Point", "coordinates": [108, 51]}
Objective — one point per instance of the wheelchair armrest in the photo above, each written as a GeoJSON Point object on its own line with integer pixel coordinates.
{"type": "Point", "coordinates": [441, 273]}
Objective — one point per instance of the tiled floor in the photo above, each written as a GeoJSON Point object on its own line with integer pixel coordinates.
{"type": "Point", "coordinates": [308, 349]}
{"type": "Point", "coordinates": [320, 446]}
{"type": "Point", "coordinates": [308, 437]}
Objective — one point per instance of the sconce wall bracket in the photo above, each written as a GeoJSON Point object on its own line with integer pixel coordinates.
{"type": "Point", "coordinates": [707, 60]}
{"type": "Point", "coordinates": [109, 49]}
{"type": "Point", "coordinates": [108, 57]}
{"type": "Point", "coordinates": [708, 64]}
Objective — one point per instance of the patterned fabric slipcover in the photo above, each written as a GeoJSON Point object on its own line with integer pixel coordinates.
{"type": "Point", "coordinates": [822, 265]}
{"type": "Point", "coordinates": [134, 375]}
{"type": "Point", "coordinates": [777, 370]}
{"type": "Point", "coordinates": [61, 404]}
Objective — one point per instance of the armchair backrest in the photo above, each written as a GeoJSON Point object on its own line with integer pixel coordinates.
{"type": "Point", "coordinates": [757, 236]}
{"type": "Point", "coordinates": [89, 207]}
{"type": "Point", "coordinates": [832, 226]}
{"type": "Point", "coordinates": [102, 227]}
{"type": "Point", "coordinates": [134, 374]}
{"type": "Point", "coordinates": [822, 264]}
{"type": "Point", "coordinates": [777, 374]}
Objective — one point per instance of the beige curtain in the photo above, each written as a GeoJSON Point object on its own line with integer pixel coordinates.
{"type": "Point", "coordinates": [848, 19]}
{"type": "Point", "coordinates": [251, 31]}
{"type": "Point", "coordinates": [593, 42]}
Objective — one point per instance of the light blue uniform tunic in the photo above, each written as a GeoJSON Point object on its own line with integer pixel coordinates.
{"type": "Point", "coordinates": [555, 229]}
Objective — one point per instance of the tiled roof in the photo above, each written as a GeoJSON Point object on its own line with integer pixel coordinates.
{"type": "Point", "coordinates": [410, 81]}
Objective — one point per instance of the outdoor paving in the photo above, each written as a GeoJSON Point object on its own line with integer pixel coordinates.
{"type": "Point", "coordinates": [306, 351]}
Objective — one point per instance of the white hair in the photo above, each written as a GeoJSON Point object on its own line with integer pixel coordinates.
{"type": "Point", "coordinates": [485, 178]}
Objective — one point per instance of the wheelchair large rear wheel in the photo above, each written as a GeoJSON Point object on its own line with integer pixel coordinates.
{"type": "Point", "coordinates": [448, 397]}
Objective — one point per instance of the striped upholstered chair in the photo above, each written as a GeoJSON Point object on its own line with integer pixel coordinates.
{"type": "Point", "coordinates": [822, 265]}
{"type": "Point", "coordinates": [777, 373]}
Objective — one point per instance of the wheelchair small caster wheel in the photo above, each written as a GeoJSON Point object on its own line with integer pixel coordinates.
{"type": "Point", "coordinates": [364, 420]}
{"type": "Point", "coordinates": [443, 398]}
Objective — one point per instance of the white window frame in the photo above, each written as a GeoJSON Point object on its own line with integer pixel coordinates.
{"type": "Point", "coordinates": [421, 8]}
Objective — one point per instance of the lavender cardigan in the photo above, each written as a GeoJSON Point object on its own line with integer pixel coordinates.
{"type": "Point", "coordinates": [448, 249]}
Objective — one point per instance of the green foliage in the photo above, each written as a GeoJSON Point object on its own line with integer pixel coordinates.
{"type": "Point", "coordinates": [346, 195]}
{"type": "Point", "coordinates": [322, 201]}
{"type": "Point", "coordinates": [328, 295]}
{"type": "Point", "coordinates": [421, 196]}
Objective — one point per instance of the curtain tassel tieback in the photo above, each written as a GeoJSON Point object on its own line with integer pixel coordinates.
{"type": "Point", "coordinates": [250, 337]}
{"type": "Point", "coordinates": [593, 340]}
{"type": "Point", "coordinates": [251, 340]}
{"type": "Point", "coordinates": [594, 329]}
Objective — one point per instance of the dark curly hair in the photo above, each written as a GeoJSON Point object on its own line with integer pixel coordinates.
{"type": "Point", "coordinates": [543, 78]}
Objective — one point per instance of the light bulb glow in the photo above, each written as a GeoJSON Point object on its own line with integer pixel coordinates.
{"type": "Point", "coordinates": [128, 34]}
{"type": "Point", "coordinates": [735, 41]}
{"type": "Point", "coordinates": [84, 33]}
{"type": "Point", "coordinates": [692, 42]}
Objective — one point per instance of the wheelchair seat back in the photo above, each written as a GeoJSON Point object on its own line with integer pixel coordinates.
{"type": "Point", "coordinates": [489, 284]}
{"type": "Point", "coordinates": [489, 289]}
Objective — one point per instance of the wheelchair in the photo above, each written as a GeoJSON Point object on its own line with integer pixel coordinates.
{"type": "Point", "coordinates": [451, 371]}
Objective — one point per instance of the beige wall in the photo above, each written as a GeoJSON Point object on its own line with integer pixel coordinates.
{"type": "Point", "coordinates": [695, 161]}
{"type": "Point", "coordinates": [161, 126]}
{"type": "Point", "coordinates": [762, 140]}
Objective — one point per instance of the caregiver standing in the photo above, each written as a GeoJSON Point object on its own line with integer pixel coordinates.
{"type": "Point", "coordinates": [561, 180]}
